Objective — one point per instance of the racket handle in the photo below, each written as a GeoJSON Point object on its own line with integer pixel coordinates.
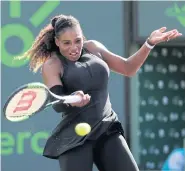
{"type": "Point", "coordinates": [72, 99]}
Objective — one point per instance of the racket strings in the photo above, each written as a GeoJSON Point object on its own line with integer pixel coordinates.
{"type": "Point", "coordinates": [11, 116]}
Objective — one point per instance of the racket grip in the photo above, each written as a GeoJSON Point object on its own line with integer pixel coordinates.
{"type": "Point", "coordinates": [73, 99]}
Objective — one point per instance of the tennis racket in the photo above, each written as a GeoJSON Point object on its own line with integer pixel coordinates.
{"type": "Point", "coordinates": [30, 99]}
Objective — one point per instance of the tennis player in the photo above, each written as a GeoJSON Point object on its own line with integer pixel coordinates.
{"type": "Point", "coordinates": [70, 63]}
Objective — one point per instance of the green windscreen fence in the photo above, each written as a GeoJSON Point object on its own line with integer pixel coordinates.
{"type": "Point", "coordinates": [161, 116]}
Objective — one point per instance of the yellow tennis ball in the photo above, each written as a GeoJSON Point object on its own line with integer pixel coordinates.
{"type": "Point", "coordinates": [82, 129]}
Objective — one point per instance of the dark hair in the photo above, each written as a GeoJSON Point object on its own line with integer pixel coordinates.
{"type": "Point", "coordinates": [44, 43]}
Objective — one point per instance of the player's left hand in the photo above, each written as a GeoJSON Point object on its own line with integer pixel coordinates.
{"type": "Point", "coordinates": [161, 35]}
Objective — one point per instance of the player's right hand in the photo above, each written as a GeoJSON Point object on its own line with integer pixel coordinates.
{"type": "Point", "coordinates": [85, 99]}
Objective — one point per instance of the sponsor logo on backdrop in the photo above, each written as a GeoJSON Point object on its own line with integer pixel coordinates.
{"type": "Point", "coordinates": [22, 31]}
{"type": "Point", "coordinates": [177, 12]}
{"type": "Point", "coordinates": [22, 141]}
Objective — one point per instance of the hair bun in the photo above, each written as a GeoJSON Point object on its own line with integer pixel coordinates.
{"type": "Point", "coordinates": [54, 20]}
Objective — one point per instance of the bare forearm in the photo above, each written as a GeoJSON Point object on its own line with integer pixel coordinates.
{"type": "Point", "coordinates": [135, 61]}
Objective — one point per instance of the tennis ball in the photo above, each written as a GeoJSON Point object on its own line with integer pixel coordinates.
{"type": "Point", "coordinates": [82, 129]}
